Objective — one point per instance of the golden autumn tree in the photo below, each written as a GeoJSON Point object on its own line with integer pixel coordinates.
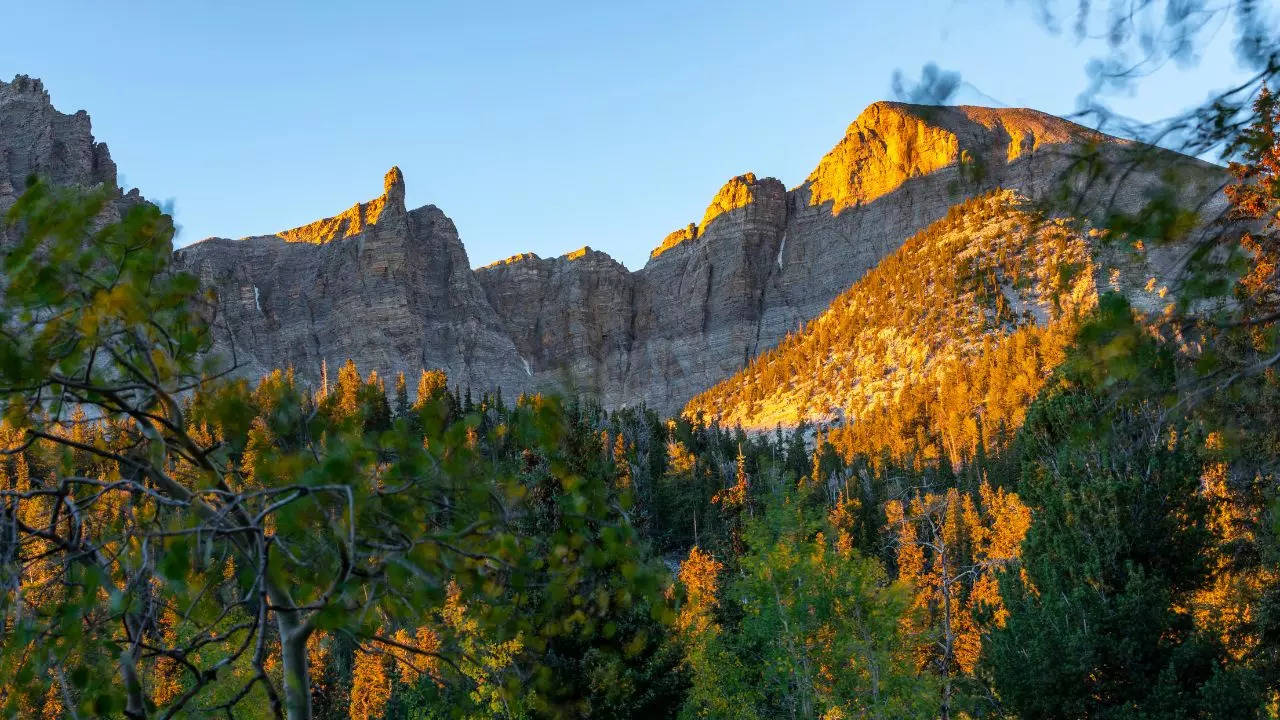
{"type": "Point", "coordinates": [488, 664]}
{"type": "Point", "coordinates": [430, 382]}
{"type": "Point", "coordinates": [348, 388]}
{"type": "Point", "coordinates": [416, 654]}
{"type": "Point", "coordinates": [370, 686]}
{"type": "Point", "coordinates": [949, 547]}
{"type": "Point", "coordinates": [699, 576]}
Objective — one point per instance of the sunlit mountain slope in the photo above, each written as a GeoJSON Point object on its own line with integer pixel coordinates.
{"type": "Point", "coordinates": [945, 341]}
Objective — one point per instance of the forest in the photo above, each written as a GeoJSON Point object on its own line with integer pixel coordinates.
{"type": "Point", "coordinates": [1054, 506]}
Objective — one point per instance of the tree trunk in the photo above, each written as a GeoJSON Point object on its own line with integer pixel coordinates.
{"type": "Point", "coordinates": [135, 707]}
{"type": "Point", "coordinates": [293, 657]}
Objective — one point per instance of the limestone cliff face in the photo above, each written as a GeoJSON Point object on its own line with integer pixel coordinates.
{"type": "Point", "coordinates": [691, 316]}
{"type": "Point", "coordinates": [569, 317]}
{"type": "Point", "coordinates": [891, 143]}
{"type": "Point", "coordinates": [36, 139]}
{"type": "Point", "coordinates": [699, 304]}
{"type": "Point", "coordinates": [393, 289]}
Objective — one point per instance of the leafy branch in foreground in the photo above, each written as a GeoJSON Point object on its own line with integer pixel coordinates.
{"type": "Point", "coordinates": [174, 541]}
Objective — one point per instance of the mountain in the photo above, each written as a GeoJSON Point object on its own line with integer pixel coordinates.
{"type": "Point", "coordinates": [940, 347]}
{"type": "Point", "coordinates": [944, 342]}
{"type": "Point", "coordinates": [37, 139]}
{"type": "Point", "coordinates": [388, 287]}
{"type": "Point", "coordinates": [393, 289]}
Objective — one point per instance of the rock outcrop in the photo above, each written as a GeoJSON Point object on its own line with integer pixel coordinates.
{"type": "Point", "coordinates": [393, 288]}
{"type": "Point", "coordinates": [36, 139]}
{"type": "Point", "coordinates": [570, 318]}
{"type": "Point", "coordinates": [387, 287]}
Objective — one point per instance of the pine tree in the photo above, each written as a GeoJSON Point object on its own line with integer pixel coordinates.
{"type": "Point", "coordinates": [370, 686]}
{"type": "Point", "coordinates": [348, 389]}
{"type": "Point", "coordinates": [402, 396]}
{"type": "Point", "coordinates": [1096, 622]}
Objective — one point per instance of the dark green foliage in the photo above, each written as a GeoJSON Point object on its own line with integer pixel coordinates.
{"type": "Point", "coordinates": [1117, 548]}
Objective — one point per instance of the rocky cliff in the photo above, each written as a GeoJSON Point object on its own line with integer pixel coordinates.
{"type": "Point", "coordinates": [388, 287]}
{"type": "Point", "coordinates": [393, 289]}
{"type": "Point", "coordinates": [36, 139]}
{"type": "Point", "coordinates": [765, 260]}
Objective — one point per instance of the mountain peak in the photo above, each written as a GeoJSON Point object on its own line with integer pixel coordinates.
{"type": "Point", "coordinates": [39, 140]}
{"type": "Point", "coordinates": [892, 142]}
{"type": "Point", "coordinates": [732, 195]}
{"type": "Point", "coordinates": [512, 260]}
{"type": "Point", "coordinates": [962, 119]}
{"type": "Point", "coordinates": [393, 185]}
{"type": "Point", "coordinates": [357, 218]}
{"type": "Point", "coordinates": [26, 85]}
{"type": "Point", "coordinates": [737, 192]}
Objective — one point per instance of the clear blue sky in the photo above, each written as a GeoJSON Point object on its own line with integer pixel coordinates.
{"type": "Point", "coordinates": [536, 126]}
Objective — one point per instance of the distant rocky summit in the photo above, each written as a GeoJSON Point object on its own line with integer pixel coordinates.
{"type": "Point", "coordinates": [387, 287]}
{"type": "Point", "coordinates": [394, 290]}
{"type": "Point", "coordinates": [36, 139]}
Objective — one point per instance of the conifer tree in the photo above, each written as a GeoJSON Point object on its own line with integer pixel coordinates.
{"type": "Point", "coordinates": [1097, 623]}
{"type": "Point", "coordinates": [402, 396]}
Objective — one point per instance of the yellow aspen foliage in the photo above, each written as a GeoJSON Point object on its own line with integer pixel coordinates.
{"type": "Point", "coordinates": [679, 459]}
{"type": "Point", "coordinates": [949, 548]}
{"type": "Point", "coordinates": [411, 664]}
{"type": "Point", "coordinates": [430, 382]}
{"type": "Point", "coordinates": [735, 496]}
{"type": "Point", "coordinates": [482, 661]}
{"type": "Point", "coordinates": [699, 575]}
{"type": "Point", "coordinates": [167, 678]}
{"type": "Point", "coordinates": [910, 554]}
{"type": "Point", "coordinates": [622, 463]}
{"type": "Point", "coordinates": [318, 661]}
{"type": "Point", "coordinates": [997, 542]}
{"type": "Point", "coordinates": [370, 686]}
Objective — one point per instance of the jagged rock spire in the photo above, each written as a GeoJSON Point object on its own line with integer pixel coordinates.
{"type": "Point", "coordinates": [356, 219]}
{"type": "Point", "coordinates": [393, 188]}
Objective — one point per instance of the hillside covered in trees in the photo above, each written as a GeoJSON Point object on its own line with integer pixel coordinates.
{"type": "Point", "coordinates": [938, 349]}
{"type": "Point", "coordinates": [1013, 473]}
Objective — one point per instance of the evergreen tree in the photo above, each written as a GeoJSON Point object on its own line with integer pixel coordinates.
{"type": "Point", "coordinates": [402, 396]}
{"type": "Point", "coordinates": [1098, 623]}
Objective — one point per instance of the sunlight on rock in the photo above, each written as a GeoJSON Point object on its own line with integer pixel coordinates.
{"type": "Point", "coordinates": [354, 220]}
